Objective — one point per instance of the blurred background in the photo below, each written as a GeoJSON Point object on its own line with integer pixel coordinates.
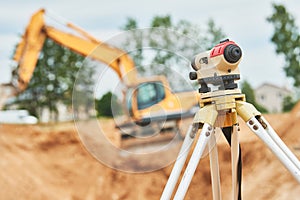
{"type": "Point", "coordinates": [46, 155]}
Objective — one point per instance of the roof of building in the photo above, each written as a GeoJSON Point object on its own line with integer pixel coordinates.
{"type": "Point", "coordinates": [273, 86]}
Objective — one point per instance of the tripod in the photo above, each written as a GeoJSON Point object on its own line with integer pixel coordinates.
{"type": "Point", "coordinates": [220, 109]}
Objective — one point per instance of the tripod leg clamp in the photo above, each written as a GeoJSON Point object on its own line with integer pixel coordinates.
{"type": "Point", "coordinates": [208, 114]}
{"type": "Point", "coordinates": [246, 110]}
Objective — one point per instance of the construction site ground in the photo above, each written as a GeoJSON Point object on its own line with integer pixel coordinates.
{"type": "Point", "coordinates": [50, 162]}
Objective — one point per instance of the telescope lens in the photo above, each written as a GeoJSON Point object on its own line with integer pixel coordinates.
{"type": "Point", "coordinates": [232, 53]}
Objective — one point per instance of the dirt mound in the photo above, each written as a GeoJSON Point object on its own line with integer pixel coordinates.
{"type": "Point", "coordinates": [50, 162]}
{"type": "Point", "coordinates": [290, 128]}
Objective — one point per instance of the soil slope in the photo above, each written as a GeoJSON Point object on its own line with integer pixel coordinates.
{"type": "Point", "coordinates": [50, 162]}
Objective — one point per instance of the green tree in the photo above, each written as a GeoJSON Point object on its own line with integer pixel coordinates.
{"type": "Point", "coordinates": [171, 44]}
{"type": "Point", "coordinates": [131, 23]}
{"type": "Point", "coordinates": [52, 81]}
{"type": "Point", "coordinates": [287, 40]}
{"type": "Point", "coordinates": [137, 37]}
{"type": "Point", "coordinates": [288, 104]}
{"type": "Point", "coordinates": [106, 104]}
{"type": "Point", "coordinates": [250, 96]}
{"type": "Point", "coordinates": [161, 21]}
{"type": "Point", "coordinates": [213, 34]}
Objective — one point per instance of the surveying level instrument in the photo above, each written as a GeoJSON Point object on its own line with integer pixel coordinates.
{"type": "Point", "coordinates": [221, 102]}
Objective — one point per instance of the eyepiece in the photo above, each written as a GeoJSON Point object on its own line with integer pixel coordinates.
{"type": "Point", "coordinates": [232, 53]}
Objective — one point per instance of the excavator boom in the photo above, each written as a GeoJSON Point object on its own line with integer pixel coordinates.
{"type": "Point", "coordinates": [146, 99]}
{"type": "Point", "coordinates": [37, 31]}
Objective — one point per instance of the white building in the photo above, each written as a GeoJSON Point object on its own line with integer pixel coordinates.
{"type": "Point", "coordinates": [271, 96]}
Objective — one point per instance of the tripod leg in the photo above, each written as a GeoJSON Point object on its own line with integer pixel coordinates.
{"type": "Point", "coordinates": [265, 132]}
{"type": "Point", "coordinates": [234, 163]}
{"type": "Point", "coordinates": [280, 143]}
{"type": "Point", "coordinates": [231, 135]}
{"type": "Point", "coordinates": [214, 168]}
{"type": "Point", "coordinates": [185, 148]}
{"type": "Point", "coordinates": [204, 137]}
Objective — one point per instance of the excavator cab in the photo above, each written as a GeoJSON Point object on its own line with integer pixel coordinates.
{"type": "Point", "coordinates": [151, 104]}
{"type": "Point", "coordinates": [147, 94]}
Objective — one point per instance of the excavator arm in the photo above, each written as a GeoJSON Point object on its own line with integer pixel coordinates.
{"type": "Point", "coordinates": [37, 31]}
{"type": "Point", "coordinates": [149, 98]}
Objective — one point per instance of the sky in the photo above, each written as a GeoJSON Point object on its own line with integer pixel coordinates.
{"type": "Point", "coordinates": [242, 21]}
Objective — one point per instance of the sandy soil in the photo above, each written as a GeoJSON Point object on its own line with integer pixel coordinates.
{"type": "Point", "coordinates": [51, 162]}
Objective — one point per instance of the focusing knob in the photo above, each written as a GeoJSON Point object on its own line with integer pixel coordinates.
{"type": "Point", "coordinates": [193, 75]}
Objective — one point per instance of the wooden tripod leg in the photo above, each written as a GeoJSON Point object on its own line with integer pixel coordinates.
{"type": "Point", "coordinates": [260, 127]}
{"type": "Point", "coordinates": [214, 168]}
{"type": "Point", "coordinates": [204, 137]}
{"type": "Point", "coordinates": [235, 151]}
{"type": "Point", "coordinates": [184, 151]}
{"type": "Point", "coordinates": [231, 135]}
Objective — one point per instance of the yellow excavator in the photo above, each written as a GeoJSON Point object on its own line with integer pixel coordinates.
{"type": "Point", "coordinates": [148, 96]}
